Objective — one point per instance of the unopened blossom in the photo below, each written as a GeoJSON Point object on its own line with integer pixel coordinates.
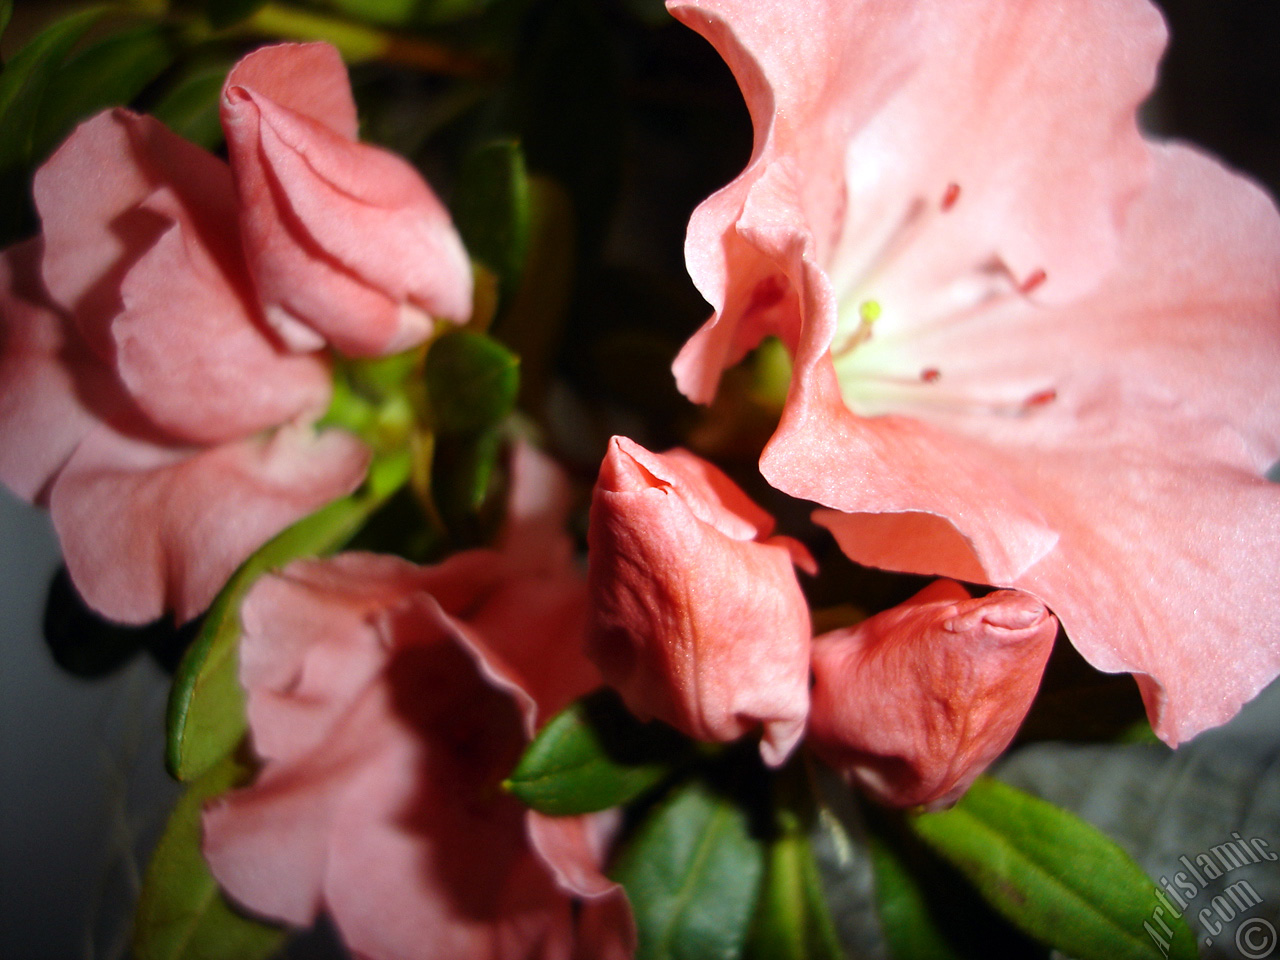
{"type": "Point", "coordinates": [346, 243]}
{"type": "Point", "coordinates": [696, 614]}
{"type": "Point", "coordinates": [1029, 349]}
{"type": "Point", "coordinates": [387, 703]}
{"type": "Point", "coordinates": [142, 398]}
{"type": "Point", "coordinates": [915, 702]}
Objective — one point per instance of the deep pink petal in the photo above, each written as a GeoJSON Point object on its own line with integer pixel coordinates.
{"type": "Point", "coordinates": [703, 630]}
{"type": "Point", "coordinates": [146, 528]}
{"type": "Point", "coordinates": [917, 701]}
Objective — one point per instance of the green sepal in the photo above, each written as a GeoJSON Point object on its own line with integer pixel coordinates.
{"type": "Point", "coordinates": [181, 913]}
{"type": "Point", "coordinates": [1051, 874]}
{"type": "Point", "coordinates": [206, 705]}
{"type": "Point", "coordinates": [792, 921]}
{"type": "Point", "coordinates": [692, 872]}
{"type": "Point", "coordinates": [472, 382]}
{"type": "Point", "coordinates": [491, 210]}
{"type": "Point", "coordinates": [109, 72]}
{"type": "Point", "coordinates": [594, 755]}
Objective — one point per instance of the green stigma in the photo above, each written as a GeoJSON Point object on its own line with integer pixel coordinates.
{"type": "Point", "coordinates": [869, 311]}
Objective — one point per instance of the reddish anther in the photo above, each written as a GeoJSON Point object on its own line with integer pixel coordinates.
{"type": "Point", "coordinates": [950, 197]}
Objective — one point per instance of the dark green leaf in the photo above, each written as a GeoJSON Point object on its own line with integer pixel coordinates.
{"type": "Point", "coordinates": [109, 72]}
{"type": "Point", "coordinates": [472, 382]}
{"type": "Point", "coordinates": [206, 706]}
{"type": "Point", "coordinates": [6, 11]}
{"type": "Point", "coordinates": [181, 914]}
{"type": "Point", "coordinates": [190, 107]}
{"type": "Point", "coordinates": [594, 755]}
{"type": "Point", "coordinates": [692, 872]}
{"type": "Point", "coordinates": [905, 916]}
{"type": "Point", "coordinates": [227, 13]}
{"type": "Point", "coordinates": [792, 920]}
{"type": "Point", "coordinates": [491, 209]}
{"type": "Point", "coordinates": [1051, 874]}
{"type": "Point", "coordinates": [399, 13]}
{"type": "Point", "coordinates": [22, 87]}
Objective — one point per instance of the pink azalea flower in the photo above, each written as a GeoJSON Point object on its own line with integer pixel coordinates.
{"type": "Point", "coordinates": [141, 397]}
{"type": "Point", "coordinates": [915, 702]}
{"type": "Point", "coordinates": [387, 702]}
{"type": "Point", "coordinates": [697, 617]}
{"type": "Point", "coordinates": [346, 242]}
{"type": "Point", "coordinates": [1029, 349]}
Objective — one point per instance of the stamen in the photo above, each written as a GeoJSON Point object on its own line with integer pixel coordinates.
{"type": "Point", "coordinates": [1032, 282]}
{"type": "Point", "coordinates": [869, 311]}
{"type": "Point", "coordinates": [1041, 399]}
{"type": "Point", "coordinates": [930, 375]}
{"type": "Point", "coordinates": [950, 197]}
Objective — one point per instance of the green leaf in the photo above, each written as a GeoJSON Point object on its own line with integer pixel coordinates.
{"type": "Point", "coordinates": [190, 107]}
{"type": "Point", "coordinates": [692, 873]}
{"type": "Point", "coordinates": [206, 705]}
{"type": "Point", "coordinates": [1051, 874]}
{"type": "Point", "coordinates": [594, 755]}
{"type": "Point", "coordinates": [227, 13]}
{"type": "Point", "coordinates": [109, 72]}
{"type": "Point", "coordinates": [399, 13]}
{"type": "Point", "coordinates": [491, 209]}
{"type": "Point", "coordinates": [472, 382]}
{"type": "Point", "coordinates": [22, 86]}
{"type": "Point", "coordinates": [6, 11]}
{"type": "Point", "coordinates": [181, 913]}
{"type": "Point", "coordinates": [792, 919]}
{"type": "Point", "coordinates": [905, 917]}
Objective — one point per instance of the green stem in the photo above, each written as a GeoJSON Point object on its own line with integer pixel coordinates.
{"type": "Point", "coordinates": [359, 42]}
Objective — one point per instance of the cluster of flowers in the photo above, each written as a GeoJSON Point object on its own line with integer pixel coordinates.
{"type": "Point", "coordinates": [1031, 350]}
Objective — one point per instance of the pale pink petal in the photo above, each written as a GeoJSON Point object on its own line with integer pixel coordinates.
{"type": "Point", "coordinates": [53, 389]}
{"type": "Point", "coordinates": [865, 112]}
{"type": "Point", "coordinates": [917, 701]}
{"type": "Point", "coordinates": [343, 239]}
{"type": "Point", "coordinates": [89, 195]}
{"type": "Point", "coordinates": [188, 344]}
{"type": "Point", "coordinates": [1167, 540]}
{"type": "Point", "coordinates": [705, 631]}
{"type": "Point", "coordinates": [147, 528]}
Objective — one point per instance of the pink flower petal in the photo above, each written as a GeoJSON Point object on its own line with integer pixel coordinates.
{"type": "Point", "coordinates": [346, 242]}
{"type": "Point", "coordinates": [89, 195]}
{"type": "Point", "coordinates": [146, 528]}
{"type": "Point", "coordinates": [917, 701]}
{"type": "Point", "coordinates": [188, 344]}
{"type": "Point", "coordinates": [693, 621]}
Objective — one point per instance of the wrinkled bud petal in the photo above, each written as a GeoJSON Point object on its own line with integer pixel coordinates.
{"type": "Point", "coordinates": [346, 242]}
{"type": "Point", "coordinates": [697, 616]}
{"type": "Point", "coordinates": [915, 702]}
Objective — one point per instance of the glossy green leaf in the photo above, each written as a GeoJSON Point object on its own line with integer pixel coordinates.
{"type": "Point", "coordinates": [792, 919]}
{"type": "Point", "coordinates": [692, 872]}
{"type": "Point", "coordinates": [594, 755]}
{"type": "Point", "coordinates": [472, 382]}
{"type": "Point", "coordinates": [909, 926]}
{"type": "Point", "coordinates": [190, 107]}
{"type": "Point", "coordinates": [110, 72]}
{"type": "Point", "coordinates": [1051, 874]}
{"type": "Point", "coordinates": [181, 913]}
{"type": "Point", "coordinates": [206, 705]}
{"type": "Point", "coordinates": [491, 209]}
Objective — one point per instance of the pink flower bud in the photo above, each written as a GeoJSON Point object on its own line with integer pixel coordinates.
{"type": "Point", "coordinates": [917, 701]}
{"type": "Point", "coordinates": [697, 616]}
